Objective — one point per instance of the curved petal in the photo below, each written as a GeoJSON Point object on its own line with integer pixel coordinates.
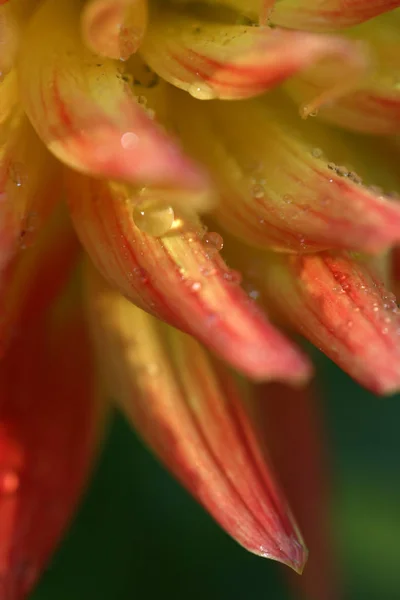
{"type": "Point", "coordinates": [84, 109]}
{"type": "Point", "coordinates": [198, 425]}
{"type": "Point", "coordinates": [114, 28]}
{"type": "Point", "coordinates": [277, 187]}
{"type": "Point", "coordinates": [174, 276]}
{"type": "Point", "coordinates": [47, 415]}
{"type": "Point", "coordinates": [327, 15]}
{"type": "Point", "coordinates": [212, 59]}
{"type": "Point", "coordinates": [340, 305]}
{"type": "Point", "coordinates": [375, 106]}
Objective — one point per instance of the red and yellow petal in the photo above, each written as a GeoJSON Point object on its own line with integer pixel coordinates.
{"type": "Point", "coordinates": [84, 108]}
{"type": "Point", "coordinates": [210, 59]}
{"type": "Point", "coordinates": [175, 276]}
{"type": "Point", "coordinates": [373, 107]}
{"type": "Point", "coordinates": [342, 307]}
{"type": "Point", "coordinates": [327, 15]}
{"type": "Point", "coordinates": [47, 440]}
{"type": "Point", "coordinates": [198, 426]}
{"type": "Point", "coordinates": [279, 185]}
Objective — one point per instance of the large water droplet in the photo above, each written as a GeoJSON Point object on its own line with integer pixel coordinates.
{"type": "Point", "coordinates": [213, 243]}
{"type": "Point", "coordinates": [153, 217]}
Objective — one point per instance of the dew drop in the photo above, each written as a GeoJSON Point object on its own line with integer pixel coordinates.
{"type": "Point", "coordinates": [141, 274]}
{"type": "Point", "coordinates": [196, 286]}
{"type": "Point", "coordinates": [201, 91]}
{"type": "Point", "coordinates": [16, 172]}
{"type": "Point", "coordinates": [213, 243]}
{"type": "Point", "coordinates": [129, 140]}
{"type": "Point", "coordinates": [233, 276]}
{"type": "Point", "coordinates": [155, 218]}
{"type": "Point", "coordinates": [316, 152]}
{"type": "Point", "coordinates": [258, 191]}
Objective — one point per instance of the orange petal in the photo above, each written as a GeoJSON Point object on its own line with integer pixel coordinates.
{"type": "Point", "coordinates": [46, 442]}
{"type": "Point", "coordinates": [327, 15]}
{"type": "Point", "coordinates": [293, 431]}
{"type": "Point", "coordinates": [35, 277]}
{"type": "Point", "coordinates": [277, 187]}
{"type": "Point", "coordinates": [197, 425]}
{"type": "Point", "coordinates": [210, 59]}
{"type": "Point", "coordinates": [374, 106]}
{"type": "Point", "coordinates": [114, 28]}
{"type": "Point", "coordinates": [83, 107]}
{"type": "Point", "coordinates": [339, 304]}
{"type": "Point", "coordinates": [175, 276]}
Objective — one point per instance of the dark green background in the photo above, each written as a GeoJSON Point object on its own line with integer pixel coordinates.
{"type": "Point", "coordinates": [139, 535]}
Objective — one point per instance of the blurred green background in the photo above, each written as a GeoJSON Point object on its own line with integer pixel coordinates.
{"type": "Point", "coordinates": [139, 535]}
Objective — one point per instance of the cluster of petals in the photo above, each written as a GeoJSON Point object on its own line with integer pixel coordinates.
{"type": "Point", "coordinates": [184, 185]}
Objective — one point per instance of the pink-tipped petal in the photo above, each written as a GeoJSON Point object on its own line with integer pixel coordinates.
{"type": "Point", "coordinates": [210, 59]}
{"type": "Point", "coordinates": [197, 426]}
{"type": "Point", "coordinates": [340, 305]}
{"type": "Point", "coordinates": [279, 185]}
{"type": "Point", "coordinates": [84, 108]}
{"type": "Point", "coordinates": [174, 275]}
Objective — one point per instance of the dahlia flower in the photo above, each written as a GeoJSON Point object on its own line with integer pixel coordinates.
{"type": "Point", "coordinates": [173, 138]}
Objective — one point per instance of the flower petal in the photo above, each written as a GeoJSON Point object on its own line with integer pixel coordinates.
{"type": "Point", "coordinates": [197, 426]}
{"type": "Point", "coordinates": [47, 436]}
{"type": "Point", "coordinates": [114, 28]}
{"type": "Point", "coordinates": [86, 112]}
{"type": "Point", "coordinates": [35, 277]}
{"type": "Point", "coordinates": [375, 106]}
{"type": "Point", "coordinates": [338, 303]}
{"type": "Point", "coordinates": [29, 187]}
{"type": "Point", "coordinates": [214, 59]}
{"type": "Point", "coordinates": [174, 276]}
{"type": "Point", "coordinates": [277, 188]}
{"type": "Point", "coordinates": [292, 427]}
{"type": "Point", "coordinates": [328, 14]}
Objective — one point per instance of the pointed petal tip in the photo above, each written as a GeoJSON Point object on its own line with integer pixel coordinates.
{"type": "Point", "coordinates": [292, 553]}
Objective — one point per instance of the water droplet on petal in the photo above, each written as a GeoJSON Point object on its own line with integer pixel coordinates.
{"type": "Point", "coordinates": [201, 91]}
{"type": "Point", "coordinates": [258, 191]}
{"type": "Point", "coordinates": [129, 140]}
{"type": "Point", "coordinates": [213, 243]}
{"type": "Point", "coordinates": [233, 276]}
{"type": "Point", "coordinates": [155, 218]}
{"type": "Point", "coordinates": [196, 286]}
